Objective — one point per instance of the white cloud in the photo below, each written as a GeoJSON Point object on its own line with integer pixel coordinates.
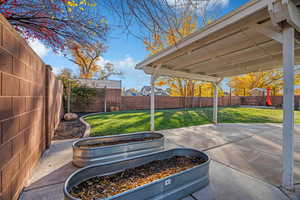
{"type": "Point", "coordinates": [38, 47]}
{"type": "Point", "coordinates": [56, 70]}
{"type": "Point", "coordinates": [130, 77]}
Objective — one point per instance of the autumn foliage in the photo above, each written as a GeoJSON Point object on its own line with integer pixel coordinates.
{"type": "Point", "coordinates": [55, 22]}
{"type": "Point", "coordinates": [272, 79]}
{"type": "Point", "coordinates": [87, 58]}
{"type": "Point", "coordinates": [178, 86]}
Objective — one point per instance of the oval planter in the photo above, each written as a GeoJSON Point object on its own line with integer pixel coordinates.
{"type": "Point", "coordinates": [86, 151]}
{"type": "Point", "coordinates": [174, 187]}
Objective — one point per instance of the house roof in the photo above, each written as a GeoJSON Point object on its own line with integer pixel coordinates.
{"type": "Point", "coordinates": [249, 39]}
{"type": "Point", "coordinates": [111, 84]}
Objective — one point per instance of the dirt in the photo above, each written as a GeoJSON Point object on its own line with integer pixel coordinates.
{"type": "Point", "coordinates": [108, 143]}
{"type": "Point", "coordinates": [69, 130]}
{"type": "Point", "coordinates": [106, 186]}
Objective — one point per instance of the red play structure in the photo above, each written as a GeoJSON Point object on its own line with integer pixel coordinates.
{"type": "Point", "coordinates": [268, 99]}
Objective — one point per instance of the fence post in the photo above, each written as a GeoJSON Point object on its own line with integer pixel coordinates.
{"type": "Point", "coordinates": [230, 96]}
{"type": "Point", "coordinates": [69, 97]}
{"type": "Point", "coordinates": [105, 103]}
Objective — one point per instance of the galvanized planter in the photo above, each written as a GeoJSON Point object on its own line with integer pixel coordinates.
{"type": "Point", "coordinates": [84, 156]}
{"type": "Point", "coordinates": [174, 187]}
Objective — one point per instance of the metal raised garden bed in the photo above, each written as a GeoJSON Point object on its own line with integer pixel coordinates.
{"type": "Point", "coordinates": [84, 155]}
{"type": "Point", "coordinates": [174, 187]}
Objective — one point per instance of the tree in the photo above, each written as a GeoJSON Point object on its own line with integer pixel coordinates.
{"type": "Point", "coordinates": [65, 73]}
{"type": "Point", "coordinates": [266, 79]}
{"type": "Point", "coordinates": [178, 86]}
{"type": "Point", "coordinates": [159, 16]}
{"type": "Point", "coordinates": [182, 87]}
{"type": "Point", "coordinates": [106, 71]}
{"type": "Point", "coordinates": [87, 58]}
{"type": "Point", "coordinates": [55, 22]}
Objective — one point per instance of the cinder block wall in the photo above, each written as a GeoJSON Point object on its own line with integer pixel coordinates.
{"type": "Point", "coordinates": [25, 103]}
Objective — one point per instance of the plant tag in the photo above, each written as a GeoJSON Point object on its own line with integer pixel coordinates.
{"type": "Point", "coordinates": [168, 182]}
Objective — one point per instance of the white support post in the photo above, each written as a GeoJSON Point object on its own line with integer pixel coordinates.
{"type": "Point", "coordinates": [288, 108]}
{"type": "Point", "coordinates": [105, 101]}
{"type": "Point", "coordinates": [152, 106]}
{"type": "Point", "coordinates": [215, 104]}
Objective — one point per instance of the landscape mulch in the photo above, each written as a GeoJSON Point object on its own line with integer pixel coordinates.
{"type": "Point", "coordinates": [106, 186]}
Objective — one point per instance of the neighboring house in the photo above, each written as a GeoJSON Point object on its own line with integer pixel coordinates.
{"type": "Point", "coordinates": [257, 91]}
{"type": "Point", "coordinates": [109, 84]}
{"type": "Point", "coordinates": [161, 92]}
{"type": "Point", "coordinates": [146, 91]}
{"type": "Point", "coordinates": [130, 92]}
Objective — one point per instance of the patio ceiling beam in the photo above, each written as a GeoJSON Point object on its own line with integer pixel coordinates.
{"type": "Point", "coordinates": [183, 60]}
{"type": "Point", "coordinates": [255, 68]}
{"type": "Point", "coordinates": [277, 36]}
{"type": "Point", "coordinates": [172, 73]}
{"type": "Point", "coordinates": [231, 63]}
{"type": "Point", "coordinates": [243, 55]}
{"type": "Point", "coordinates": [274, 61]}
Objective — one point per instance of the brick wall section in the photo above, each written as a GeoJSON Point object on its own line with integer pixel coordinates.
{"type": "Point", "coordinates": [53, 104]}
{"type": "Point", "coordinates": [22, 111]}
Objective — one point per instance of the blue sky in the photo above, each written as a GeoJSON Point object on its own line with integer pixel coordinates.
{"type": "Point", "coordinates": [124, 51]}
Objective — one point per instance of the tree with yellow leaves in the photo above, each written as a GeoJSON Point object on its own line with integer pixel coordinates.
{"type": "Point", "coordinates": [178, 86]}
{"type": "Point", "coordinates": [86, 57]}
{"type": "Point", "coordinates": [267, 79]}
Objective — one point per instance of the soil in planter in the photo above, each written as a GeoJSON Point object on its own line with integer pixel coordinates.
{"type": "Point", "coordinates": [106, 186]}
{"type": "Point", "coordinates": [108, 143]}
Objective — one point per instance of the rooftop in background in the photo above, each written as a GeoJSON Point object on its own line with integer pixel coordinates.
{"type": "Point", "coordinates": [110, 84]}
{"type": "Point", "coordinates": [246, 40]}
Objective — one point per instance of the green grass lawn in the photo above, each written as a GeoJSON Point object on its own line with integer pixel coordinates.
{"type": "Point", "coordinates": [135, 121]}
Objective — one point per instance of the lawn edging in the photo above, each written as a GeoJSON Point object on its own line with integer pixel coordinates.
{"type": "Point", "coordinates": [87, 131]}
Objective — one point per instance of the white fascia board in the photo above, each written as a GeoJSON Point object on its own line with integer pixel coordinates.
{"type": "Point", "coordinates": [180, 74]}
{"type": "Point", "coordinates": [231, 18]}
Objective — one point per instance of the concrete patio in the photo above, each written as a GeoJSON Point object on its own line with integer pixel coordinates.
{"type": "Point", "coordinates": [246, 162]}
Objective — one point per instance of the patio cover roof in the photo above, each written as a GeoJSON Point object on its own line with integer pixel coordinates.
{"type": "Point", "coordinates": [246, 40]}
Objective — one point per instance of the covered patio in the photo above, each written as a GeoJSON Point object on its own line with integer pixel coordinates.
{"type": "Point", "coordinates": [261, 35]}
